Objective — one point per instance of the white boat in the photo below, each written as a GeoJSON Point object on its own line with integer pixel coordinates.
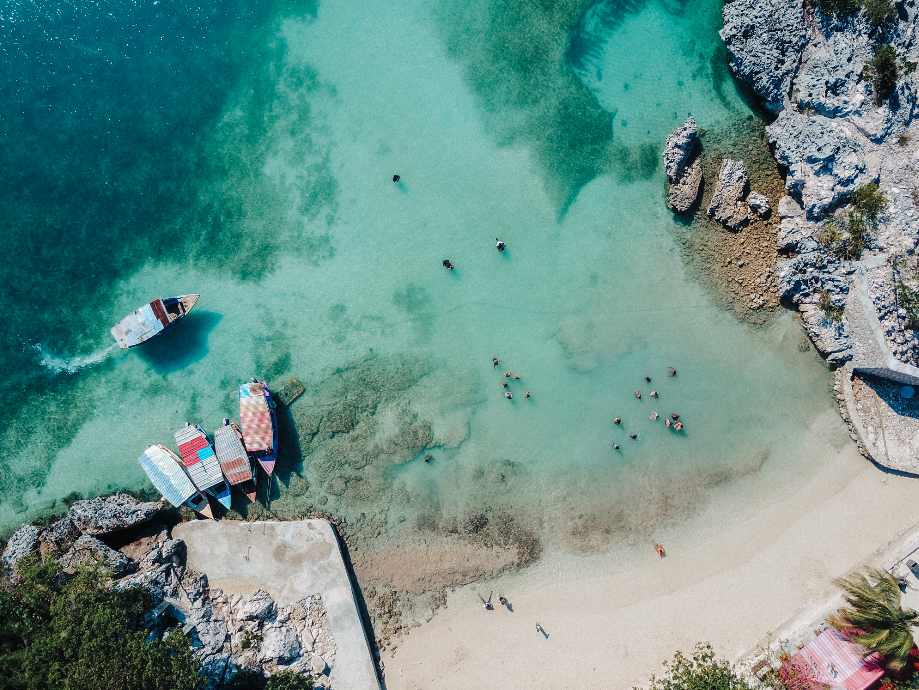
{"type": "Point", "coordinates": [168, 475]}
{"type": "Point", "coordinates": [152, 319]}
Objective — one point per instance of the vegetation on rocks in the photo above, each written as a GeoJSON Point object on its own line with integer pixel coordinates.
{"type": "Point", "coordinates": [877, 12]}
{"type": "Point", "coordinates": [847, 235]}
{"type": "Point", "coordinates": [869, 201]}
{"type": "Point", "coordinates": [286, 680]}
{"type": "Point", "coordinates": [825, 305]}
{"type": "Point", "coordinates": [882, 71]}
{"type": "Point", "coordinates": [873, 599]}
{"type": "Point", "coordinates": [79, 634]}
{"type": "Point", "coordinates": [702, 671]}
{"type": "Point", "coordinates": [907, 295]}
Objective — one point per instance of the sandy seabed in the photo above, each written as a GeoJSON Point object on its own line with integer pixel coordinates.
{"type": "Point", "coordinates": [733, 586]}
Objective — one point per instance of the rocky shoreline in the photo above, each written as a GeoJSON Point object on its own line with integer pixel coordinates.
{"type": "Point", "coordinates": [228, 634]}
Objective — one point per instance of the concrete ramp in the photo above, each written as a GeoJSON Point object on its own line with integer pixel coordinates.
{"type": "Point", "coordinates": [290, 561]}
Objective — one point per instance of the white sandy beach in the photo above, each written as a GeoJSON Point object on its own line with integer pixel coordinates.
{"type": "Point", "coordinates": [733, 586]}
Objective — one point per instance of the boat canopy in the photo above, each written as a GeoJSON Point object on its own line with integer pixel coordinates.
{"type": "Point", "coordinates": [255, 416]}
{"type": "Point", "coordinates": [232, 456]}
{"type": "Point", "coordinates": [167, 475]}
{"type": "Point", "coordinates": [152, 319]}
{"type": "Point", "coordinates": [198, 457]}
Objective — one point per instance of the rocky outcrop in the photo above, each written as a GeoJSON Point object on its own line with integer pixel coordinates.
{"type": "Point", "coordinates": [726, 205]}
{"type": "Point", "coordinates": [87, 550]}
{"type": "Point", "coordinates": [111, 514]}
{"type": "Point", "coordinates": [684, 169]}
{"type": "Point", "coordinates": [678, 148]}
{"type": "Point", "coordinates": [23, 543]}
{"type": "Point", "coordinates": [759, 203]}
{"type": "Point", "coordinates": [683, 194]}
{"type": "Point", "coordinates": [833, 138]}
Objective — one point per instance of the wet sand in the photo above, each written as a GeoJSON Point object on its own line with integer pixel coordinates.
{"type": "Point", "coordinates": [731, 587]}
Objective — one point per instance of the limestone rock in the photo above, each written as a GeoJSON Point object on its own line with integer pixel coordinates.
{"type": "Point", "coordinates": [726, 205]}
{"type": "Point", "coordinates": [89, 549]}
{"type": "Point", "coordinates": [765, 40]}
{"type": "Point", "coordinates": [23, 543]}
{"type": "Point", "coordinates": [830, 337]}
{"type": "Point", "coordinates": [759, 203]}
{"type": "Point", "coordinates": [257, 608]}
{"type": "Point", "coordinates": [59, 537]}
{"type": "Point", "coordinates": [171, 547]}
{"type": "Point", "coordinates": [281, 645]}
{"type": "Point", "coordinates": [682, 194]}
{"type": "Point", "coordinates": [678, 147]}
{"type": "Point", "coordinates": [794, 227]}
{"type": "Point", "coordinates": [318, 665]}
{"type": "Point", "coordinates": [111, 514]}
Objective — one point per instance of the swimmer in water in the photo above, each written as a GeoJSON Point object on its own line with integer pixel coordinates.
{"type": "Point", "coordinates": [509, 395]}
{"type": "Point", "coordinates": [428, 458]}
{"type": "Point", "coordinates": [653, 394]}
{"type": "Point", "coordinates": [675, 417]}
{"type": "Point", "coordinates": [667, 422]}
{"type": "Point", "coordinates": [654, 416]}
{"type": "Point", "coordinates": [638, 395]}
{"type": "Point", "coordinates": [647, 379]}
{"type": "Point", "coordinates": [633, 436]}
{"type": "Point", "coordinates": [507, 374]}
{"type": "Point", "coordinates": [616, 446]}
{"type": "Point", "coordinates": [500, 245]}
{"type": "Point", "coordinates": [527, 394]}
{"type": "Point", "coordinates": [395, 178]}
{"type": "Point", "coordinates": [516, 377]}
{"type": "Point", "coordinates": [672, 371]}
{"type": "Point", "coordinates": [504, 384]}
{"type": "Point", "coordinates": [448, 265]}
{"type": "Point", "coordinates": [617, 421]}
{"type": "Point", "coordinates": [678, 426]}
{"type": "Point", "coordinates": [495, 361]}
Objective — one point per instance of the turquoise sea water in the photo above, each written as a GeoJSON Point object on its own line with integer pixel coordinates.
{"type": "Point", "coordinates": [246, 153]}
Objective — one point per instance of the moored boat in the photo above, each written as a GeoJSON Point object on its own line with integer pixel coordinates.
{"type": "Point", "coordinates": [233, 458]}
{"type": "Point", "coordinates": [259, 423]}
{"type": "Point", "coordinates": [152, 319]}
{"type": "Point", "coordinates": [168, 475]}
{"type": "Point", "coordinates": [201, 462]}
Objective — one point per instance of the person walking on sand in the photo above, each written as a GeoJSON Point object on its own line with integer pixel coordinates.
{"type": "Point", "coordinates": [539, 629]}
{"type": "Point", "coordinates": [448, 264]}
{"type": "Point", "coordinates": [502, 600]}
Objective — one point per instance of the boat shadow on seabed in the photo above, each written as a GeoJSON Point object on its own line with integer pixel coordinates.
{"type": "Point", "coordinates": [169, 353]}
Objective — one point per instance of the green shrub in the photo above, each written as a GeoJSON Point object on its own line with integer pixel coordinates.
{"type": "Point", "coordinates": [870, 201]}
{"type": "Point", "coordinates": [701, 672]}
{"type": "Point", "coordinates": [908, 67]}
{"type": "Point", "coordinates": [907, 296]}
{"type": "Point", "coordinates": [882, 71]}
{"type": "Point", "coordinates": [878, 12]}
{"type": "Point", "coordinates": [80, 635]}
{"type": "Point", "coordinates": [826, 306]}
{"type": "Point", "coordinates": [288, 680]}
{"type": "Point", "coordinates": [846, 236]}
{"type": "Point", "coordinates": [838, 8]}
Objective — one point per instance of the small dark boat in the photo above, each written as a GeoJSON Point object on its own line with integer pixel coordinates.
{"type": "Point", "coordinates": [152, 319]}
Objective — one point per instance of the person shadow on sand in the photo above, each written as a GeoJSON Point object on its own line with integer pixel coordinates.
{"type": "Point", "coordinates": [539, 629]}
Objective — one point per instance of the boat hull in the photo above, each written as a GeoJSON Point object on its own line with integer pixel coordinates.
{"type": "Point", "coordinates": [152, 319]}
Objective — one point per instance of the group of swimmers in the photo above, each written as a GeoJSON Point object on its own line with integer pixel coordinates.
{"type": "Point", "coordinates": [449, 264]}
{"type": "Point", "coordinates": [507, 394]}
{"type": "Point", "coordinates": [676, 423]}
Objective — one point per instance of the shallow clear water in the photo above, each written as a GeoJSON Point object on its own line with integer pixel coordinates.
{"type": "Point", "coordinates": [247, 155]}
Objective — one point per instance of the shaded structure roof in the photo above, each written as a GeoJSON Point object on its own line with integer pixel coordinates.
{"type": "Point", "coordinates": [831, 662]}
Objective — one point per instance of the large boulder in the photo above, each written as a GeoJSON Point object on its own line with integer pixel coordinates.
{"type": "Point", "coordinates": [678, 147]}
{"type": "Point", "coordinates": [23, 543]}
{"type": "Point", "coordinates": [726, 205]}
{"type": "Point", "coordinates": [682, 194]}
{"type": "Point", "coordinates": [280, 645]}
{"type": "Point", "coordinates": [111, 514]}
{"type": "Point", "coordinates": [759, 203]}
{"type": "Point", "coordinates": [59, 537]}
{"type": "Point", "coordinates": [88, 550]}
{"type": "Point", "coordinates": [258, 607]}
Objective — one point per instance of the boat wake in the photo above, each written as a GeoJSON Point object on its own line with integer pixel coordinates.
{"type": "Point", "coordinates": [69, 365]}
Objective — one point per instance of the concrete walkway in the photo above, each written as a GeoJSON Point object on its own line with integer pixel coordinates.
{"type": "Point", "coordinates": [289, 560]}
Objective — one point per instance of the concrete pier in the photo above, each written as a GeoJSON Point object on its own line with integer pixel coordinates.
{"type": "Point", "coordinates": [290, 561]}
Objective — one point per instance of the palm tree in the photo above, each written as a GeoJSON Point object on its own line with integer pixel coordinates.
{"type": "Point", "coordinates": [884, 627]}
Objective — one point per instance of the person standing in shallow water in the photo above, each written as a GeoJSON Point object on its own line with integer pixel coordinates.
{"type": "Point", "coordinates": [500, 245]}
{"type": "Point", "coordinates": [395, 178]}
{"type": "Point", "coordinates": [448, 265]}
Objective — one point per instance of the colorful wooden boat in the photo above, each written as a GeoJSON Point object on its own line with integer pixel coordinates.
{"type": "Point", "coordinates": [152, 319]}
{"type": "Point", "coordinates": [259, 423]}
{"type": "Point", "coordinates": [201, 462]}
{"type": "Point", "coordinates": [233, 458]}
{"type": "Point", "coordinates": [169, 477]}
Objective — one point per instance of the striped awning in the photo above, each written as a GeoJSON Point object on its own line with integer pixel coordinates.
{"type": "Point", "coordinates": [830, 661]}
{"type": "Point", "coordinates": [255, 416]}
{"type": "Point", "coordinates": [198, 457]}
{"type": "Point", "coordinates": [167, 475]}
{"type": "Point", "coordinates": [232, 456]}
